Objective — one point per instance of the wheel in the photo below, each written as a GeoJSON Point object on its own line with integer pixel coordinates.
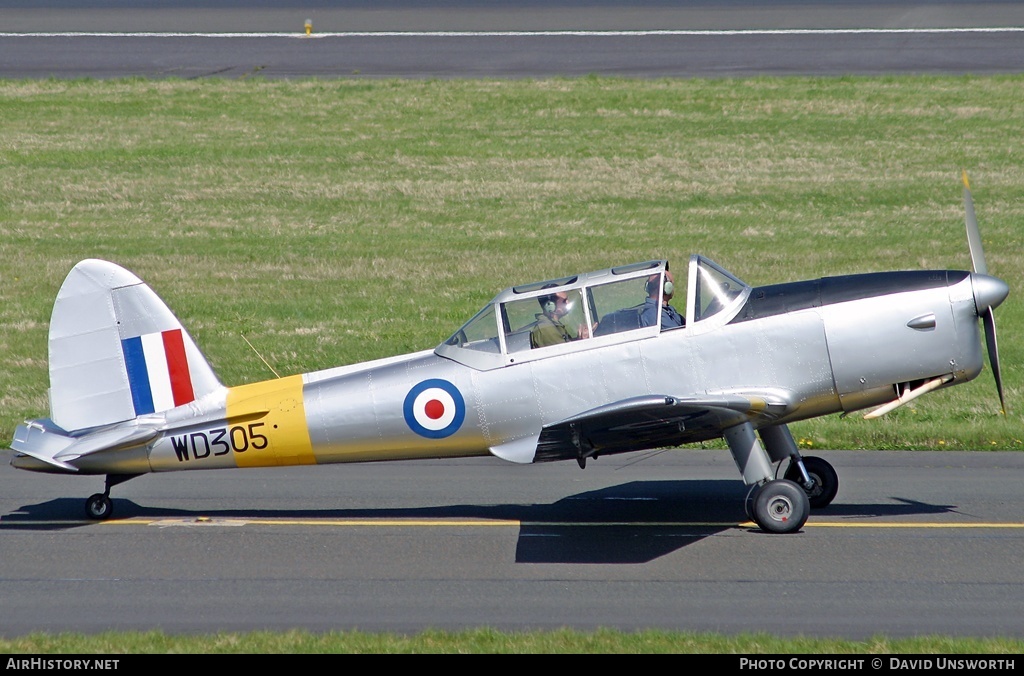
{"type": "Point", "coordinates": [781, 506]}
{"type": "Point", "coordinates": [99, 507]}
{"type": "Point", "coordinates": [824, 476]}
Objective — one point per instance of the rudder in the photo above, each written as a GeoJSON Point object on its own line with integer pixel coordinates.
{"type": "Point", "coordinates": [117, 352]}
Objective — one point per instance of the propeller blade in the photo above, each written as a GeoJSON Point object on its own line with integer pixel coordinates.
{"type": "Point", "coordinates": [973, 234]}
{"type": "Point", "coordinates": [989, 318]}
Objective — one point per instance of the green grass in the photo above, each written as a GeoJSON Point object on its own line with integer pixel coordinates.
{"type": "Point", "coordinates": [331, 222]}
{"type": "Point", "coordinates": [488, 641]}
{"type": "Point", "coordinates": [334, 221]}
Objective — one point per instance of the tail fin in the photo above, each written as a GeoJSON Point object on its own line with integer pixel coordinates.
{"type": "Point", "coordinates": [118, 352]}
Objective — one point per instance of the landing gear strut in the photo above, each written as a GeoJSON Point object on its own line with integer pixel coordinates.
{"type": "Point", "coordinates": [776, 505]}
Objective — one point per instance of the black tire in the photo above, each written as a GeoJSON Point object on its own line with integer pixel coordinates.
{"type": "Point", "coordinates": [98, 507]}
{"type": "Point", "coordinates": [826, 480]}
{"type": "Point", "coordinates": [748, 502]}
{"type": "Point", "coordinates": [781, 506]}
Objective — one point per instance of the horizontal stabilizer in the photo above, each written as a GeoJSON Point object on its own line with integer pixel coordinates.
{"type": "Point", "coordinates": [44, 441]}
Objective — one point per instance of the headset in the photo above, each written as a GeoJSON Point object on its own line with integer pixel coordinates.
{"type": "Point", "coordinates": [548, 303]}
{"type": "Point", "coordinates": [667, 288]}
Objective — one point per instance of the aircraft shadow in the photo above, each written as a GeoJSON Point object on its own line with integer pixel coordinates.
{"type": "Point", "coordinates": [634, 522]}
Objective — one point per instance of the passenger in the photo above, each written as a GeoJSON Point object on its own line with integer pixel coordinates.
{"type": "Point", "coordinates": [549, 329]}
{"type": "Point", "coordinates": [659, 294]}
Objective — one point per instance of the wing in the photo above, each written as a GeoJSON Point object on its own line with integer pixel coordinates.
{"type": "Point", "coordinates": [650, 421]}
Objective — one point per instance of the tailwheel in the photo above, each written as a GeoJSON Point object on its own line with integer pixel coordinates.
{"type": "Point", "coordinates": [781, 506]}
{"type": "Point", "coordinates": [99, 507]}
{"type": "Point", "coordinates": [823, 476]}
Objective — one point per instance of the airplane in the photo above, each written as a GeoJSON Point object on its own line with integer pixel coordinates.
{"type": "Point", "coordinates": [131, 393]}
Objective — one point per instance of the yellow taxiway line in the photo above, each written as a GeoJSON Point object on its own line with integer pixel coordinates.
{"type": "Point", "coordinates": [491, 523]}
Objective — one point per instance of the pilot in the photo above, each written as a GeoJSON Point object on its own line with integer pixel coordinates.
{"type": "Point", "coordinates": [659, 294]}
{"type": "Point", "coordinates": [549, 329]}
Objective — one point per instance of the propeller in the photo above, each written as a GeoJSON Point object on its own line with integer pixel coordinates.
{"type": "Point", "coordinates": [985, 309]}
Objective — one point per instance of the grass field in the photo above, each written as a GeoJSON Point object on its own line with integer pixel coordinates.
{"type": "Point", "coordinates": [331, 222]}
{"type": "Point", "coordinates": [488, 641]}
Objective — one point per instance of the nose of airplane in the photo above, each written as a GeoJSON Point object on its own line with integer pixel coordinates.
{"type": "Point", "coordinates": [989, 291]}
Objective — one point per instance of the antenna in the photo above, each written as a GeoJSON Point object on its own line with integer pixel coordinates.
{"type": "Point", "coordinates": [259, 355]}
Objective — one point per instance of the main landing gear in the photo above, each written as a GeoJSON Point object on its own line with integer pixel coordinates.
{"type": "Point", "coordinates": [98, 507]}
{"type": "Point", "coordinates": [780, 505]}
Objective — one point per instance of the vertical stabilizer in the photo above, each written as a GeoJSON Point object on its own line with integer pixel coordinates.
{"type": "Point", "coordinates": [117, 351]}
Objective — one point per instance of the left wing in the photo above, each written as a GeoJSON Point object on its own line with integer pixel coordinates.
{"type": "Point", "coordinates": [649, 421]}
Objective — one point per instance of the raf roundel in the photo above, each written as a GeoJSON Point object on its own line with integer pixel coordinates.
{"type": "Point", "coordinates": [434, 409]}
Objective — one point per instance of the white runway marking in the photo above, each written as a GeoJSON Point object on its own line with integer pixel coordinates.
{"type": "Point", "coordinates": [556, 33]}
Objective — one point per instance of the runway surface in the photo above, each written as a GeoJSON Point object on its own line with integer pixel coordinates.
{"type": "Point", "coordinates": [916, 543]}
{"type": "Point", "coordinates": [506, 38]}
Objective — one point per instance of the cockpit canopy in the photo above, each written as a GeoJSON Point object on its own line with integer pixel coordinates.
{"type": "Point", "coordinates": [589, 310]}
